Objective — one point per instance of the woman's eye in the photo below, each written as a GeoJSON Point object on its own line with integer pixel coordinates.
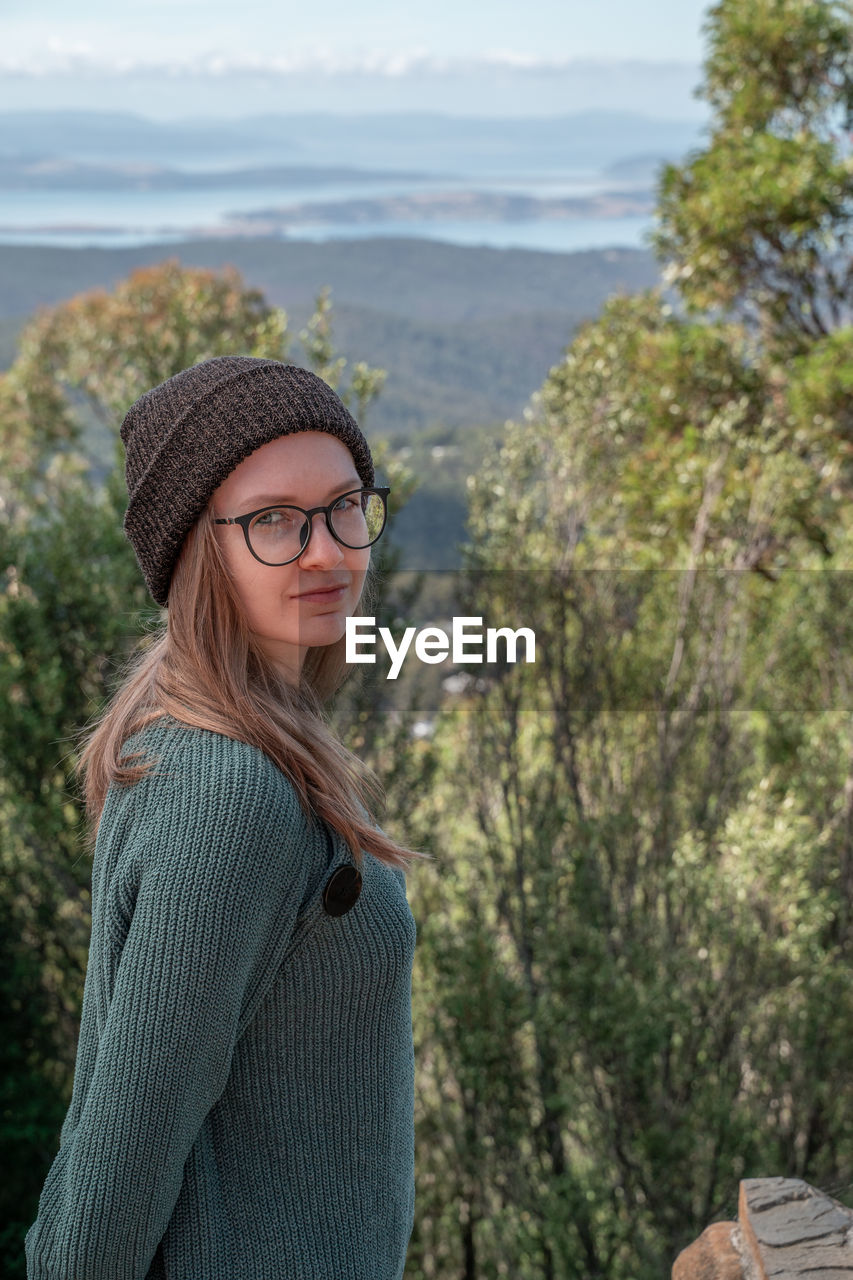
{"type": "Point", "coordinates": [274, 518]}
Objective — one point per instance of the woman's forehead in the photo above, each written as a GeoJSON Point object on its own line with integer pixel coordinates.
{"type": "Point", "coordinates": [291, 466]}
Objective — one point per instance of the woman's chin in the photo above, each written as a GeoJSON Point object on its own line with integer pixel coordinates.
{"type": "Point", "coordinates": [327, 628]}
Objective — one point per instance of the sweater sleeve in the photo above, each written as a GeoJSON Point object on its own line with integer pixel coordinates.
{"type": "Point", "coordinates": [220, 886]}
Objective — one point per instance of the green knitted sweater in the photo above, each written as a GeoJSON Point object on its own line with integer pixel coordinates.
{"type": "Point", "coordinates": [243, 1099]}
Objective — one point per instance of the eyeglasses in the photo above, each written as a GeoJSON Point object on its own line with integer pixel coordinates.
{"type": "Point", "coordinates": [279, 535]}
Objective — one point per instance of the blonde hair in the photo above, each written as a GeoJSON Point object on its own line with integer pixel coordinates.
{"type": "Point", "coordinates": [205, 670]}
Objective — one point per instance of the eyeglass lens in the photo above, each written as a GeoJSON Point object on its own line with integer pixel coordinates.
{"type": "Point", "coordinates": [280, 533]}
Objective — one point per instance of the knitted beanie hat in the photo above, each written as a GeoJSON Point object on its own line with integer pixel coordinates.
{"type": "Point", "coordinates": [186, 435]}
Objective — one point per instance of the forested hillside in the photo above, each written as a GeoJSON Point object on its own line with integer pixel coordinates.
{"type": "Point", "coordinates": [466, 334]}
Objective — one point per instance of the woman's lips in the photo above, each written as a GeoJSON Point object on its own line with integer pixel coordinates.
{"type": "Point", "coordinates": [325, 595]}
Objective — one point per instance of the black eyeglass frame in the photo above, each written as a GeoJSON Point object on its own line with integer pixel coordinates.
{"type": "Point", "coordinates": [245, 520]}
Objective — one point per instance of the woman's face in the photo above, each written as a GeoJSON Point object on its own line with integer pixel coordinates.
{"type": "Point", "coordinates": [292, 607]}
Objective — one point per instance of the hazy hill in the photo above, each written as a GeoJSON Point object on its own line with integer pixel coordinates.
{"type": "Point", "coordinates": [405, 140]}
{"type": "Point", "coordinates": [421, 279]}
{"type": "Point", "coordinates": [466, 333]}
{"type": "Point", "coordinates": [46, 173]}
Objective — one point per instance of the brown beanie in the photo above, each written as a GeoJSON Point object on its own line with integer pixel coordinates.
{"type": "Point", "coordinates": [187, 434]}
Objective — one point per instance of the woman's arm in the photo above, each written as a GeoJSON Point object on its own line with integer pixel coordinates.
{"type": "Point", "coordinates": [221, 880]}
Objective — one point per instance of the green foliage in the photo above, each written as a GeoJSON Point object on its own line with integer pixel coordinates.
{"type": "Point", "coordinates": [31, 1106]}
{"type": "Point", "coordinates": [647, 422]}
{"type": "Point", "coordinates": [785, 64]}
{"type": "Point", "coordinates": [651, 826]}
{"type": "Point", "coordinates": [81, 364]}
{"type": "Point", "coordinates": [646, 826]}
{"type": "Point", "coordinates": [70, 604]}
{"type": "Point", "coordinates": [759, 220]}
{"type": "Point", "coordinates": [820, 395]}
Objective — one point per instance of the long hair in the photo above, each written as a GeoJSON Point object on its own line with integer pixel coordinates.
{"type": "Point", "coordinates": [205, 670]}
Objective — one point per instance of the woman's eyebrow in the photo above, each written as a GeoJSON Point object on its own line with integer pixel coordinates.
{"type": "Point", "coordinates": [279, 499]}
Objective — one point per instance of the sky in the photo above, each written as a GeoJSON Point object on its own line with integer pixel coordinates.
{"type": "Point", "coordinates": [173, 58]}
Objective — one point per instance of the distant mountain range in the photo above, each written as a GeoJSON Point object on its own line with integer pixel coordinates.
{"type": "Point", "coordinates": [425, 141]}
{"type": "Point", "coordinates": [60, 173]}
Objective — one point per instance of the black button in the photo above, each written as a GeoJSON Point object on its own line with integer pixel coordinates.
{"type": "Point", "coordinates": [341, 892]}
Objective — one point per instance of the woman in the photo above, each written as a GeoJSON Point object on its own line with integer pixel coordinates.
{"type": "Point", "coordinates": [243, 1099]}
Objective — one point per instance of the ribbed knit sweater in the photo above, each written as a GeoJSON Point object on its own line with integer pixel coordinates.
{"type": "Point", "coordinates": [243, 1098]}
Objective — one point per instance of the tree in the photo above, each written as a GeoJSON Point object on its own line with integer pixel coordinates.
{"type": "Point", "coordinates": [642, 917]}
{"type": "Point", "coordinates": [759, 220]}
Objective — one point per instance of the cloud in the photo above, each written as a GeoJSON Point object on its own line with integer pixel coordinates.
{"type": "Point", "coordinates": [80, 60]}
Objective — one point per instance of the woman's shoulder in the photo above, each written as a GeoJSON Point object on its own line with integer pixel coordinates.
{"type": "Point", "coordinates": [209, 809]}
{"type": "Point", "coordinates": [203, 768]}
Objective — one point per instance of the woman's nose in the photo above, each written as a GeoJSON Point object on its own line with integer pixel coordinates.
{"type": "Point", "coordinates": [323, 551]}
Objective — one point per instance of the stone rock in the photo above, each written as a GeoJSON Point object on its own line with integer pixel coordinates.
{"type": "Point", "coordinates": [712, 1257]}
{"type": "Point", "coordinates": [794, 1231]}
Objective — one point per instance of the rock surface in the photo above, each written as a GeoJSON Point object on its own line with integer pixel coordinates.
{"type": "Point", "coordinates": [786, 1230]}
{"type": "Point", "coordinates": [712, 1257]}
{"type": "Point", "coordinates": [795, 1231]}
